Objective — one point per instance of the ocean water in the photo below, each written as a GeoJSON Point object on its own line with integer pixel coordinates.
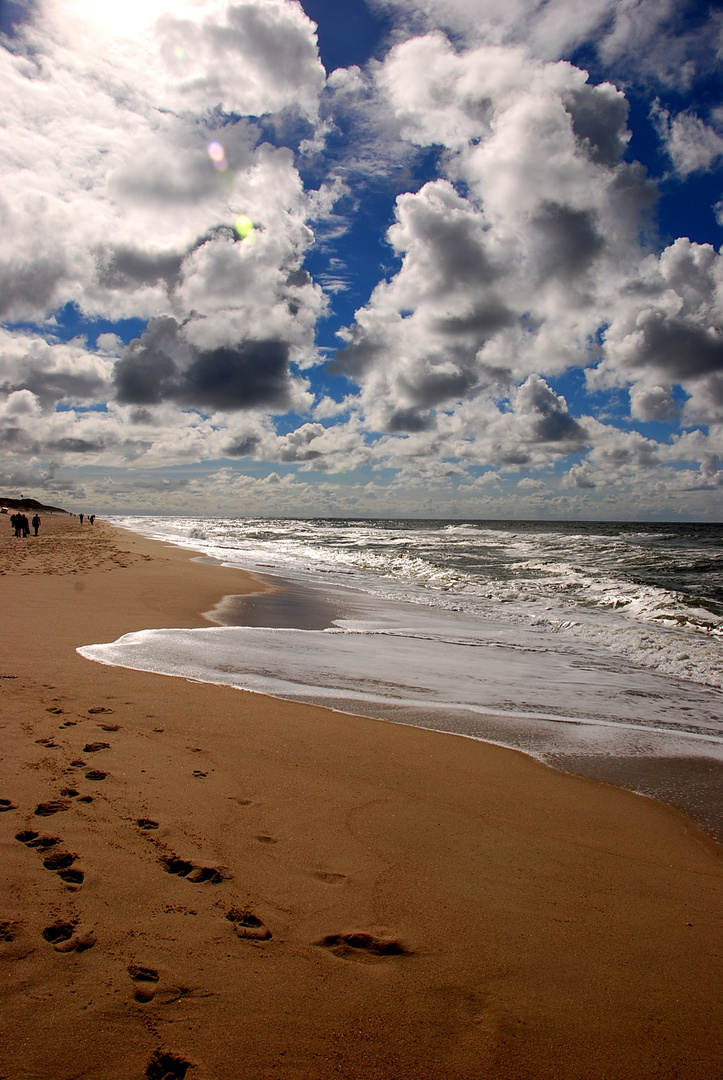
{"type": "Point", "coordinates": [596, 647]}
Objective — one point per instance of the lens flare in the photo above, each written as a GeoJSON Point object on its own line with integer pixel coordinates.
{"type": "Point", "coordinates": [217, 155]}
{"type": "Point", "coordinates": [244, 227]}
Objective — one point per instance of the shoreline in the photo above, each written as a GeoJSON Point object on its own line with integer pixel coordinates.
{"type": "Point", "coordinates": [693, 782]}
{"type": "Point", "coordinates": [435, 907]}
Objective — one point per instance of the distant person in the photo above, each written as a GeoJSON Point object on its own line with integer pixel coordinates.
{"type": "Point", "coordinates": [16, 524]}
{"type": "Point", "coordinates": [91, 519]}
{"type": "Point", "coordinates": [36, 524]}
{"type": "Point", "coordinates": [81, 518]}
{"type": "Point", "coordinates": [25, 525]}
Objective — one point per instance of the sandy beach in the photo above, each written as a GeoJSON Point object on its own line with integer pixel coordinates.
{"type": "Point", "coordinates": [205, 883]}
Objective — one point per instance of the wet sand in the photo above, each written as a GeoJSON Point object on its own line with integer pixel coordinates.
{"type": "Point", "coordinates": [240, 886]}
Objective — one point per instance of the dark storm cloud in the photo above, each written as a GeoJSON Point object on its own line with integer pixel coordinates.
{"type": "Point", "coordinates": [599, 116]}
{"type": "Point", "coordinates": [161, 366]}
{"type": "Point", "coordinates": [568, 240]}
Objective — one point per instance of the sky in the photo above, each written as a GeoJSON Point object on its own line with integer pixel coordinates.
{"type": "Point", "coordinates": [363, 258]}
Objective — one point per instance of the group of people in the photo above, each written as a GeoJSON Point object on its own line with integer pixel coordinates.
{"type": "Point", "coordinates": [21, 525]}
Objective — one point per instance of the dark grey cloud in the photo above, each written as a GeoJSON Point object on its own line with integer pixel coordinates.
{"type": "Point", "coordinates": [568, 240]}
{"type": "Point", "coordinates": [458, 256]}
{"type": "Point", "coordinates": [681, 347]}
{"type": "Point", "coordinates": [511, 457]}
{"type": "Point", "coordinates": [547, 414]}
{"type": "Point", "coordinates": [243, 447]}
{"type": "Point", "coordinates": [145, 374]}
{"type": "Point", "coordinates": [12, 436]}
{"type": "Point", "coordinates": [247, 375]}
{"type": "Point", "coordinates": [129, 268]}
{"type": "Point", "coordinates": [162, 366]}
{"type": "Point", "coordinates": [53, 386]}
{"type": "Point", "coordinates": [409, 421]}
{"type": "Point", "coordinates": [358, 356]}
{"type": "Point", "coordinates": [482, 321]}
{"type": "Point", "coordinates": [434, 385]}
{"type": "Point", "coordinates": [31, 289]}
{"type": "Point", "coordinates": [599, 120]}
{"type": "Point", "coordinates": [141, 416]}
{"type": "Point", "coordinates": [76, 446]}
{"type": "Point", "coordinates": [280, 50]}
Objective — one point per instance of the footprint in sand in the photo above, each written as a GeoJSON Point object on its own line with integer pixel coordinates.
{"type": "Point", "coordinates": [59, 931]}
{"type": "Point", "coordinates": [329, 879]}
{"type": "Point", "coordinates": [95, 709]}
{"type": "Point", "coordinates": [109, 727]}
{"type": "Point", "coordinates": [5, 805]}
{"type": "Point", "coordinates": [9, 929]}
{"type": "Point", "coordinates": [95, 774]}
{"type": "Point", "coordinates": [59, 862]}
{"type": "Point", "coordinates": [166, 1066]}
{"type": "Point", "coordinates": [145, 976]}
{"type": "Point", "coordinates": [146, 824]}
{"type": "Point", "coordinates": [94, 747]}
{"type": "Point", "coordinates": [198, 774]}
{"type": "Point", "coordinates": [264, 839]}
{"type": "Point", "coordinates": [73, 878]}
{"type": "Point", "coordinates": [65, 937]}
{"type": "Point", "coordinates": [197, 875]}
{"type": "Point", "coordinates": [45, 809]}
{"type": "Point", "coordinates": [34, 840]}
{"type": "Point", "coordinates": [248, 925]}
{"type": "Point", "coordinates": [48, 744]}
{"type": "Point", "coordinates": [361, 945]}
{"type": "Point", "coordinates": [78, 763]}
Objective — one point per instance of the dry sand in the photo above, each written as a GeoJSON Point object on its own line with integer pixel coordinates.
{"type": "Point", "coordinates": [361, 899]}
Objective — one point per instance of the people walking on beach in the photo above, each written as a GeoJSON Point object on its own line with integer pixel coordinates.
{"type": "Point", "coordinates": [81, 518]}
{"type": "Point", "coordinates": [91, 519]}
{"type": "Point", "coordinates": [16, 522]}
{"type": "Point", "coordinates": [36, 524]}
{"type": "Point", "coordinates": [24, 525]}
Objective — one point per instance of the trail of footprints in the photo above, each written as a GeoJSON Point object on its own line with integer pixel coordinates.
{"type": "Point", "coordinates": [57, 861]}
{"type": "Point", "coordinates": [69, 935]}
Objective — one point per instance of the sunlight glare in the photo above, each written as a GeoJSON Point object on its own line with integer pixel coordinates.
{"type": "Point", "coordinates": [126, 20]}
